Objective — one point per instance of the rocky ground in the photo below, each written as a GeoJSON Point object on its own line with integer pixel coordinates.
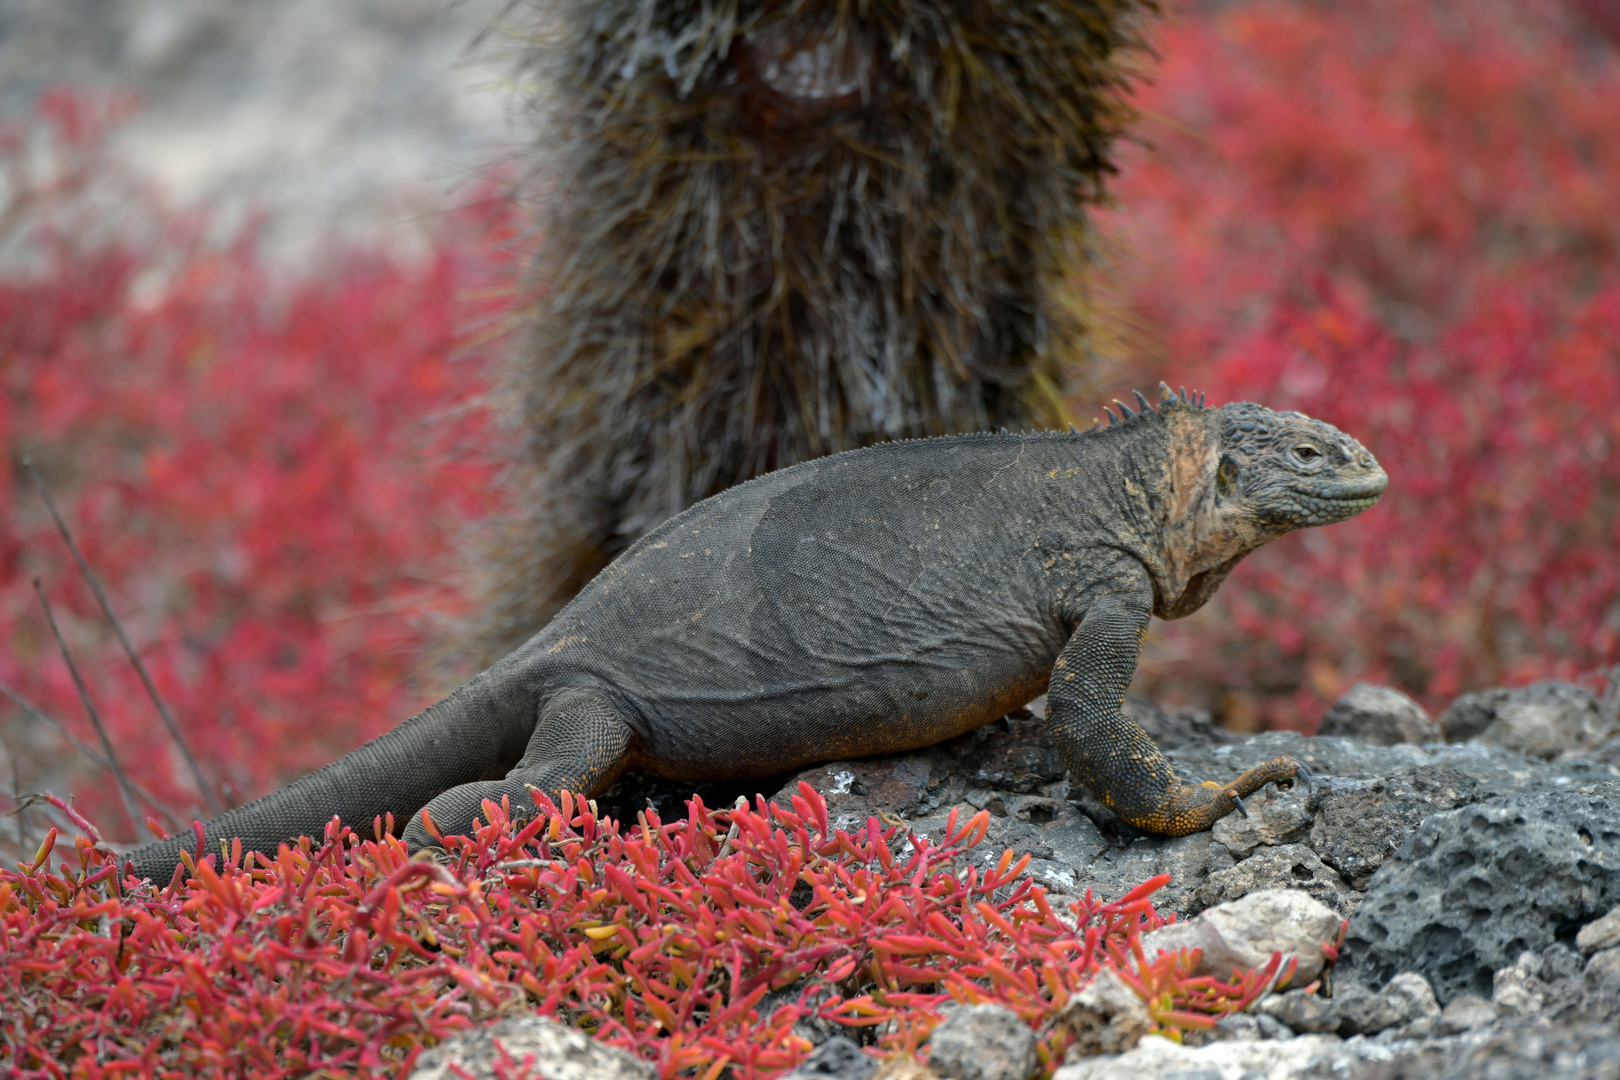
{"type": "Point", "coordinates": [1477, 859]}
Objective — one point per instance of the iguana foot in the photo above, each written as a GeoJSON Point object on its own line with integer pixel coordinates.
{"type": "Point", "coordinates": [1190, 808]}
{"type": "Point", "coordinates": [432, 853]}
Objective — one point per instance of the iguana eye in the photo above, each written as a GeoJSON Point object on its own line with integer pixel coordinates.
{"type": "Point", "coordinates": [1307, 453]}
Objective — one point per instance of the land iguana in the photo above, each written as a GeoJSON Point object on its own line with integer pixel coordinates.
{"type": "Point", "coordinates": [874, 601]}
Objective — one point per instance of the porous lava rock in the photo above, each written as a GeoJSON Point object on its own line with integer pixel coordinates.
{"type": "Point", "coordinates": [1271, 818]}
{"type": "Point", "coordinates": [1475, 887]}
{"type": "Point", "coordinates": [1359, 823]}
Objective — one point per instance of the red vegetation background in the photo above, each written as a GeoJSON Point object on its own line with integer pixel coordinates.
{"type": "Point", "coordinates": [1399, 216]}
{"type": "Point", "coordinates": [1403, 218]}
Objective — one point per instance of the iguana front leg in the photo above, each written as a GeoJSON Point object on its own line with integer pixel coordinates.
{"type": "Point", "coordinates": [1107, 750]}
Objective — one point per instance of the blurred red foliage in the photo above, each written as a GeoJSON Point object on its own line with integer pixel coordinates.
{"type": "Point", "coordinates": [1401, 218]}
{"type": "Point", "coordinates": [345, 957]}
{"type": "Point", "coordinates": [268, 470]}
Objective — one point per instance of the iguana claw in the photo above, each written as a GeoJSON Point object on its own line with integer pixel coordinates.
{"type": "Point", "coordinates": [1305, 776]}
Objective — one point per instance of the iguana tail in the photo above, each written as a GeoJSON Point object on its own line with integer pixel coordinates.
{"type": "Point", "coordinates": [477, 733]}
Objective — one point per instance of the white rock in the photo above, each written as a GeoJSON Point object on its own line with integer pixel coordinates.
{"type": "Point", "coordinates": [1106, 1016]}
{"type": "Point", "coordinates": [1466, 1012]}
{"type": "Point", "coordinates": [1245, 932]}
{"type": "Point", "coordinates": [1410, 997]}
{"type": "Point", "coordinates": [1516, 990]}
{"type": "Point", "coordinates": [558, 1052]}
{"type": "Point", "coordinates": [1240, 1059]}
{"type": "Point", "coordinates": [1599, 934]}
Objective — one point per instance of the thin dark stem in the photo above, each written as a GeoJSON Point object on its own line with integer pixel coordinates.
{"type": "Point", "coordinates": [123, 638]}
{"type": "Point", "coordinates": [95, 717]}
{"type": "Point", "coordinates": [169, 818]}
{"type": "Point", "coordinates": [18, 809]}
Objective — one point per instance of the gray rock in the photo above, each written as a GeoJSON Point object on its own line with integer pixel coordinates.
{"type": "Point", "coordinates": [1189, 860]}
{"type": "Point", "coordinates": [554, 1052]}
{"type": "Point", "coordinates": [1291, 866]}
{"type": "Point", "coordinates": [1371, 798]}
{"type": "Point", "coordinates": [1474, 887]}
{"type": "Point", "coordinates": [1606, 752]}
{"type": "Point", "coordinates": [1157, 1058]}
{"type": "Point", "coordinates": [1063, 842]}
{"type": "Point", "coordinates": [1496, 770]}
{"type": "Point", "coordinates": [1380, 715]}
{"type": "Point", "coordinates": [1543, 720]}
{"type": "Point", "coordinates": [1465, 1013]}
{"type": "Point", "coordinates": [1302, 1011]}
{"type": "Point", "coordinates": [1359, 824]}
{"type": "Point", "coordinates": [1559, 961]}
{"type": "Point", "coordinates": [1599, 934]}
{"type": "Point", "coordinates": [1106, 1016]}
{"type": "Point", "coordinates": [857, 790]}
{"type": "Point", "coordinates": [1245, 933]}
{"type": "Point", "coordinates": [1516, 1050]}
{"type": "Point", "coordinates": [1407, 1004]}
{"type": "Point", "coordinates": [983, 1042]}
{"type": "Point", "coordinates": [1020, 759]}
{"type": "Point", "coordinates": [1274, 817]}
{"type": "Point", "coordinates": [1602, 975]}
{"type": "Point", "coordinates": [1241, 1026]}
{"type": "Point", "coordinates": [835, 1059]}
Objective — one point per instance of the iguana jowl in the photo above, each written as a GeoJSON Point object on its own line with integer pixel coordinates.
{"type": "Point", "coordinates": [875, 601]}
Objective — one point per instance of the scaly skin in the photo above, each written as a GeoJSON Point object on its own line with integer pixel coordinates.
{"type": "Point", "coordinates": [875, 601]}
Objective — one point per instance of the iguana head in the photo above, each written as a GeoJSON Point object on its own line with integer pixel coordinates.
{"type": "Point", "coordinates": [1239, 477]}
{"type": "Point", "coordinates": [1282, 471]}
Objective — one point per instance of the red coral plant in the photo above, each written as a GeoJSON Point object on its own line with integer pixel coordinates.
{"type": "Point", "coordinates": [695, 945]}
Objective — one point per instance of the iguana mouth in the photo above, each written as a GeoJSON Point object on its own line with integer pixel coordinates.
{"type": "Point", "coordinates": [1350, 491]}
{"type": "Point", "coordinates": [1321, 504]}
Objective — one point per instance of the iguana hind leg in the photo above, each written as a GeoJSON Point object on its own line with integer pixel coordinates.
{"type": "Point", "coordinates": [580, 743]}
{"type": "Point", "coordinates": [1107, 750]}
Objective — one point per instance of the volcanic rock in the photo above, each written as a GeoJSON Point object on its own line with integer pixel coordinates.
{"type": "Point", "coordinates": [1380, 715]}
{"type": "Point", "coordinates": [1475, 887]}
